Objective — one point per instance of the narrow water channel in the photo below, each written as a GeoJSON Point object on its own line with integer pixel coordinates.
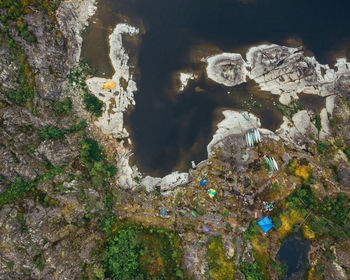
{"type": "Point", "coordinates": [169, 130]}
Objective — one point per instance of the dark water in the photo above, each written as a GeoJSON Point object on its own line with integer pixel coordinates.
{"type": "Point", "coordinates": [170, 130]}
{"type": "Point", "coordinates": [293, 253]}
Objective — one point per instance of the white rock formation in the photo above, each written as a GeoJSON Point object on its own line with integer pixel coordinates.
{"type": "Point", "coordinates": [167, 183]}
{"type": "Point", "coordinates": [285, 72]}
{"type": "Point", "coordinates": [295, 131]}
{"type": "Point", "coordinates": [233, 123]}
{"type": "Point", "coordinates": [118, 99]}
{"type": "Point", "coordinates": [185, 78]}
{"type": "Point", "coordinates": [228, 69]}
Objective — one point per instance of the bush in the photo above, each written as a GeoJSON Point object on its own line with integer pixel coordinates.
{"type": "Point", "coordinates": [52, 132]}
{"type": "Point", "coordinates": [137, 253]}
{"type": "Point", "coordinates": [123, 254]}
{"type": "Point", "coordinates": [91, 151]}
{"type": "Point", "coordinates": [332, 123]}
{"type": "Point", "coordinates": [276, 221]}
{"type": "Point", "coordinates": [322, 146]}
{"type": "Point", "coordinates": [317, 121]}
{"type": "Point", "coordinates": [15, 191]}
{"type": "Point", "coordinates": [63, 107]}
{"type": "Point", "coordinates": [252, 229]}
{"type": "Point", "coordinates": [347, 152]}
{"type": "Point", "coordinates": [93, 104]}
{"type": "Point", "coordinates": [253, 271]}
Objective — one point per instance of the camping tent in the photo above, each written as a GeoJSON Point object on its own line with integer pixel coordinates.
{"type": "Point", "coordinates": [203, 182]}
{"type": "Point", "coordinates": [108, 85]}
{"type": "Point", "coordinates": [265, 224]}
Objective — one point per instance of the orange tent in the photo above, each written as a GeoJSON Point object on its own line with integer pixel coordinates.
{"type": "Point", "coordinates": [108, 85]}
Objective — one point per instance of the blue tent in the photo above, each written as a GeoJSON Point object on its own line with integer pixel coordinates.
{"type": "Point", "coordinates": [265, 224]}
{"type": "Point", "coordinates": [203, 182]}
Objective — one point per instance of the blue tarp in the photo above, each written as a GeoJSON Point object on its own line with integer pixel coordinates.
{"type": "Point", "coordinates": [265, 224]}
{"type": "Point", "coordinates": [203, 182]}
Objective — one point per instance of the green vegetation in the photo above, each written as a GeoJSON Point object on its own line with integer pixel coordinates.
{"type": "Point", "coordinates": [52, 132]}
{"type": "Point", "coordinates": [281, 269]}
{"type": "Point", "coordinates": [291, 109]}
{"type": "Point", "coordinates": [252, 229]}
{"type": "Point", "coordinates": [321, 146]}
{"type": "Point", "coordinates": [19, 187]}
{"type": "Point", "coordinates": [14, 11]}
{"type": "Point", "coordinates": [253, 271]}
{"type": "Point", "coordinates": [39, 261]}
{"type": "Point", "coordinates": [317, 121]}
{"type": "Point", "coordinates": [335, 173]}
{"type": "Point", "coordinates": [90, 151]}
{"type": "Point", "coordinates": [329, 215]}
{"type": "Point", "coordinates": [93, 104]}
{"type": "Point", "coordinates": [219, 266]}
{"type": "Point", "coordinates": [63, 107]}
{"type": "Point", "coordinates": [135, 252]}
{"type": "Point", "coordinates": [77, 78]}
{"type": "Point", "coordinates": [332, 123]}
{"type": "Point", "coordinates": [347, 152]}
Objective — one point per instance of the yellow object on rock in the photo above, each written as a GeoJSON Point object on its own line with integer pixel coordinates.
{"type": "Point", "coordinates": [108, 85]}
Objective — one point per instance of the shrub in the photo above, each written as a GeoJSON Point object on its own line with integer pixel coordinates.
{"type": "Point", "coordinates": [253, 271]}
{"type": "Point", "coordinates": [111, 170]}
{"type": "Point", "coordinates": [317, 121]}
{"type": "Point", "coordinates": [15, 191]}
{"type": "Point", "coordinates": [52, 132]}
{"type": "Point", "coordinates": [93, 104]}
{"type": "Point", "coordinates": [90, 150]}
{"type": "Point", "coordinates": [63, 107]}
{"type": "Point", "coordinates": [332, 123]}
{"type": "Point", "coordinates": [347, 152]}
{"type": "Point", "coordinates": [138, 253]}
{"type": "Point", "coordinates": [281, 269]}
{"type": "Point", "coordinates": [123, 254]}
{"type": "Point", "coordinates": [252, 229]}
{"type": "Point", "coordinates": [322, 146]}
{"type": "Point", "coordinates": [276, 221]}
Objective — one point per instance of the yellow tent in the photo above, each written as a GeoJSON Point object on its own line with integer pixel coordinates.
{"type": "Point", "coordinates": [108, 85]}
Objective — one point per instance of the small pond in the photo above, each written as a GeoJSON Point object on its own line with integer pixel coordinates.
{"type": "Point", "coordinates": [293, 253]}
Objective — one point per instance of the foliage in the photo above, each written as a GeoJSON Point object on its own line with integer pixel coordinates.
{"type": "Point", "coordinates": [77, 78]}
{"type": "Point", "coordinates": [335, 173]}
{"type": "Point", "coordinates": [39, 261]}
{"type": "Point", "coordinates": [281, 269]}
{"type": "Point", "coordinates": [321, 146]}
{"type": "Point", "coordinates": [253, 271]}
{"type": "Point", "coordinates": [123, 254]}
{"type": "Point", "coordinates": [138, 253]}
{"type": "Point", "coordinates": [317, 121]}
{"type": "Point", "coordinates": [332, 122]}
{"type": "Point", "coordinates": [329, 215]}
{"type": "Point", "coordinates": [347, 152]}
{"type": "Point", "coordinates": [63, 107]}
{"type": "Point", "coordinates": [303, 171]}
{"type": "Point", "coordinates": [52, 132]}
{"type": "Point", "coordinates": [252, 229]}
{"type": "Point", "coordinates": [219, 266]}
{"type": "Point", "coordinates": [93, 104]}
{"type": "Point", "coordinates": [15, 191]}
{"type": "Point", "coordinates": [292, 108]}
{"type": "Point", "coordinates": [78, 127]}
{"type": "Point", "coordinates": [111, 170]}
{"type": "Point", "coordinates": [90, 151]}
{"type": "Point", "coordinates": [276, 221]}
